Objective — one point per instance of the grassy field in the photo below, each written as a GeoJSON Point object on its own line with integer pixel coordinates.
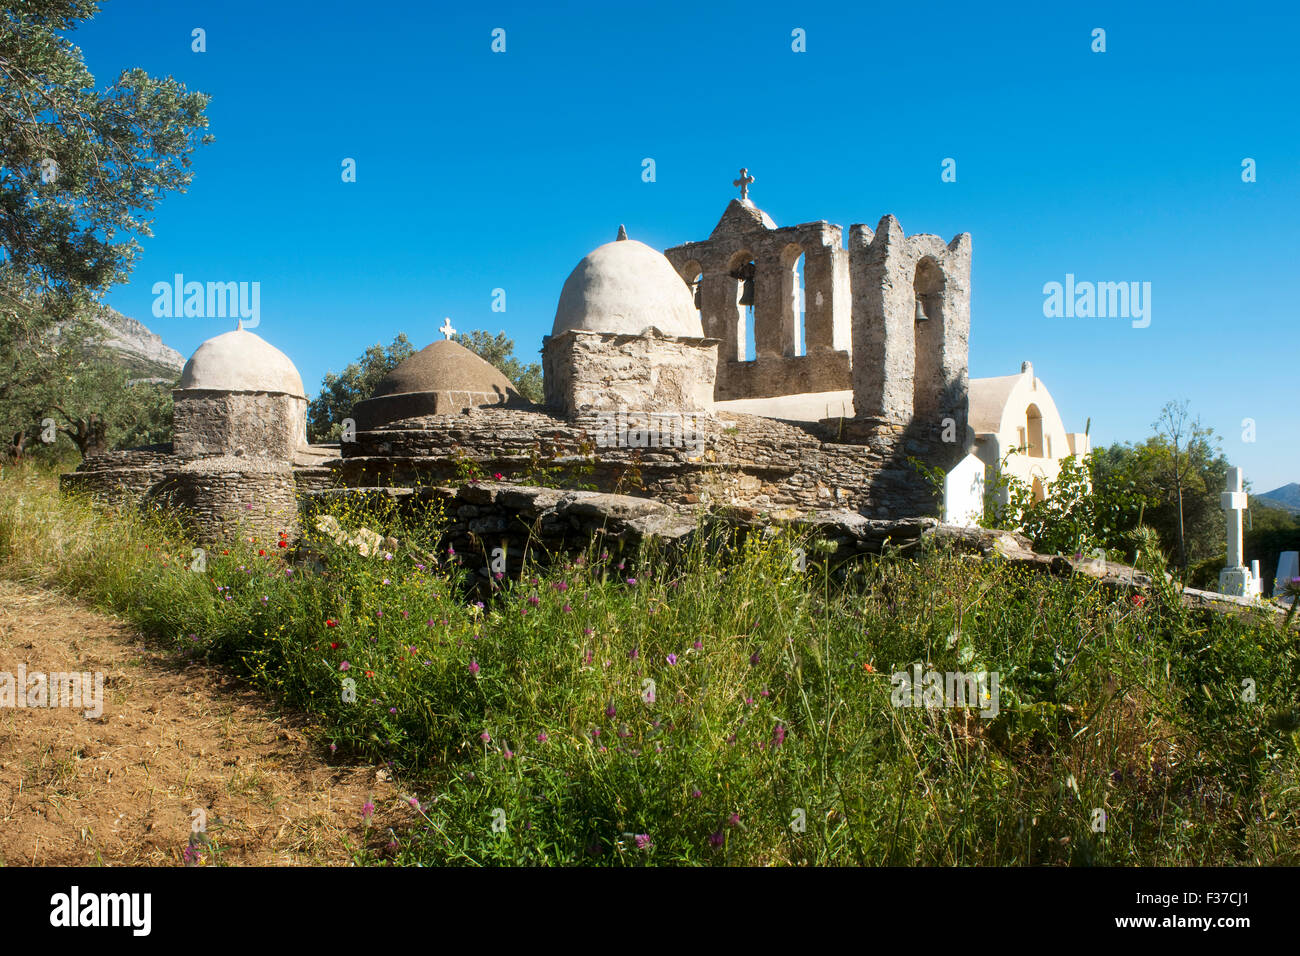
{"type": "Point", "coordinates": [721, 706]}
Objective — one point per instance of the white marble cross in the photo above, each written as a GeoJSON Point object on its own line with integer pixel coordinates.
{"type": "Point", "coordinates": [446, 329]}
{"type": "Point", "coordinates": [1235, 578]}
{"type": "Point", "coordinates": [744, 182]}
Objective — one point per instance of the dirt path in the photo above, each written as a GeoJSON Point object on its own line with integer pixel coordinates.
{"type": "Point", "coordinates": [174, 737]}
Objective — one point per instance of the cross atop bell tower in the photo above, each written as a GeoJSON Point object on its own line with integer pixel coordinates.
{"type": "Point", "coordinates": [744, 182]}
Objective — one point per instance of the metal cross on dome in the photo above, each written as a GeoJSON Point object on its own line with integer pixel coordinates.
{"type": "Point", "coordinates": [744, 183]}
{"type": "Point", "coordinates": [446, 329]}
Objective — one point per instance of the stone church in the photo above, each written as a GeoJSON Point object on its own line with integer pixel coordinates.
{"type": "Point", "coordinates": [773, 368]}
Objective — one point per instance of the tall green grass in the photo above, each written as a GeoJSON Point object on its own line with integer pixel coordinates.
{"type": "Point", "coordinates": [525, 730]}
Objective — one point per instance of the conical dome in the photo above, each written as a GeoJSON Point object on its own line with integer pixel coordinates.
{"type": "Point", "coordinates": [240, 361]}
{"type": "Point", "coordinates": [440, 379]}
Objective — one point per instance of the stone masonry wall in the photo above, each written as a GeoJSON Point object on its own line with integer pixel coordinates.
{"type": "Point", "coordinates": [646, 372]}
{"type": "Point", "coordinates": [262, 424]}
{"type": "Point", "coordinates": [740, 460]}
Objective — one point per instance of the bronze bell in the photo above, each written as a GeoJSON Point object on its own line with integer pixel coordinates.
{"type": "Point", "coordinates": [747, 293]}
{"type": "Point", "coordinates": [745, 274]}
{"type": "Point", "coordinates": [920, 310]}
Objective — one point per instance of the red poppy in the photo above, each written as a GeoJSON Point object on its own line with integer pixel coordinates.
{"type": "Point", "coordinates": [225, 552]}
{"type": "Point", "coordinates": [370, 673]}
{"type": "Point", "coordinates": [261, 552]}
{"type": "Point", "coordinates": [1139, 600]}
{"type": "Point", "coordinates": [334, 645]}
{"type": "Point", "coordinates": [330, 622]}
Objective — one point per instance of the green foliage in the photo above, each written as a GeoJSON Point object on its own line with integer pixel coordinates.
{"type": "Point", "coordinates": [1197, 468]}
{"type": "Point", "coordinates": [1078, 515]}
{"type": "Point", "coordinates": [339, 393]}
{"type": "Point", "coordinates": [82, 169]}
{"type": "Point", "coordinates": [499, 352]}
{"type": "Point", "coordinates": [72, 226]}
{"type": "Point", "coordinates": [771, 737]}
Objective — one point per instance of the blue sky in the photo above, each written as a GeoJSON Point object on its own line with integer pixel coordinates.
{"type": "Point", "coordinates": [478, 170]}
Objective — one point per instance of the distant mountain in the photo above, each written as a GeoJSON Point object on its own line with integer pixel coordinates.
{"type": "Point", "coordinates": [1287, 497]}
{"type": "Point", "coordinates": [141, 352]}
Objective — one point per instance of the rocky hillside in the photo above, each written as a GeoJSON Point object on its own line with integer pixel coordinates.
{"type": "Point", "coordinates": [140, 351]}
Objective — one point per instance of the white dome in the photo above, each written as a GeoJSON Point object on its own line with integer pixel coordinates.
{"type": "Point", "coordinates": [240, 361]}
{"type": "Point", "coordinates": [625, 287]}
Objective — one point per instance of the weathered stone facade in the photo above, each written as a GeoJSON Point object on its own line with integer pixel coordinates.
{"type": "Point", "coordinates": [256, 424]}
{"type": "Point", "coordinates": [586, 371]}
{"type": "Point", "coordinates": [734, 460]}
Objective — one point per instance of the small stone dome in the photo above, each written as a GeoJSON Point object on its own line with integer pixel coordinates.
{"type": "Point", "coordinates": [444, 366]}
{"type": "Point", "coordinates": [240, 361]}
{"type": "Point", "coordinates": [625, 287]}
{"type": "Point", "coordinates": [443, 378]}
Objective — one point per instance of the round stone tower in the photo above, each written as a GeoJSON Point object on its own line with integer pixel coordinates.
{"type": "Point", "coordinates": [240, 414]}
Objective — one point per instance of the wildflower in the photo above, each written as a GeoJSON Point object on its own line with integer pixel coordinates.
{"type": "Point", "coordinates": [868, 668]}
{"type": "Point", "coordinates": [497, 476]}
{"type": "Point", "coordinates": [696, 793]}
{"type": "Point", "coordinates": [367, 811]}
{"type": "Point", "coordinates": [542, 738]}
{"type": "Point", "coordinates": [507, 753]}
{"type": "Point", "coordinates": [734, 820]}
{"type": "Point", "coordinates": [333, 748]}
{"type": "Point", "coordinates": [633, 654]}
{"type": "Point", "coordinates": [643, 841]}
{"type": "Point", "coordinates": [534, 600]}
{"type": "Point", "coordinates": [344, 666]}
{"type": "Point", "coordinates": [566, 609]}
{"type": "Point", "coordinates": [753, 659]}
{"type": "Point", "coordinates": [1139, 600]}
{"type": "Point", "coordinates": [334, 645]}
{"type": "Point", "coordinates": [778, 735]}
{"type": "Point", "coordinates": [392, 710]}
{"type": "Point", "coordinates": [631, 582]}
{"type": "Point", "coordinates": [717, 838]}
{"type": "Point", "coordinates": [672, 660]}
{"type": "Point", "coordinates": [485, 737]}
{"type": "Point", "coordinates": [330, 622]}
{"type": "Point", "coordinates": [610, 711]}
{"type": "Point", "coordinates": [698, 645]}
{"type": "Point", "coordinates": [587, 631]}
{"type": "Point", "coordinates": [380, 613]}
{"type": "Point", "coordinates": [414, 802]}
{"type": "Point", "coordinates": [406, 614]}
{"type": "Point", "coordinates": [388, 556]}
{"type": "Point", "coordinates": [473, 668]}
{"type": "Point", "coordinates": [282, 544]}
{"type": "Point", "coordinates": [430, 622]}
{"type": "Point", "coordinates": [384, 581]}
{"type": "Point", "coordinates": [371, 675]}
{"type": "Point", "coordinates": [561, 586]}
{"type": "Point", "coordinates": [288, 572]}
{"type": "Point", "coordinates": [261, 552]}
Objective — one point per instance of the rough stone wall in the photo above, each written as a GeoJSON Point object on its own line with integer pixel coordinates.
{"type": "Point", "coordinates": [120, 475]}
{"type": "Point", "coordinates": [905, 371]}
{"type": "Point", "coordinates": [740, 460]}
{"type": "Point", "coordinates": [653, 372]}
{"type": "Point", "coordinates": [222, 499]}
{"type": "Point", "coordinates": [262, 424]}
{"type": "Point", "coordinates": [774, 252]}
